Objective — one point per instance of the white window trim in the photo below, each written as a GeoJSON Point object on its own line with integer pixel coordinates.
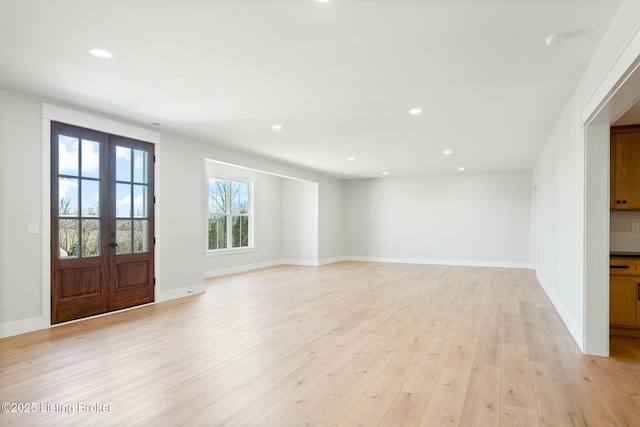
{"type": "Point", "coordinates": [226, 174]}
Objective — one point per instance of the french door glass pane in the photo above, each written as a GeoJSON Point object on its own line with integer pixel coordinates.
{"type": "Point", "coordinates": [140, 235]}
{"type": "Point", "coordinates": [140, 201]}
{"type": "Point", "coordinates": [68, 203]}
{"type": "Point", "coordinates": [90, 159]}
{"type": "Point", "coordinates": [123, 164]}
{"type": "Point", "coordinates": [90, 237]}
{"type": "Point", "coordinates": [123, 236]}
{"type": "Point", "coordinates": [217, 232]}
{"type": "Point", "coordinates": [69, 231]}
{"type": "Point", "coordinates": [90, 198]}
{"type": "Point", "coordinates": [78, 197]}
{"type": "Point", "coordinates": [123, 200]}
{"type": "Point", "coordinates": [68, 155]}
{"type": "Point", "coordinates": [140, 166]}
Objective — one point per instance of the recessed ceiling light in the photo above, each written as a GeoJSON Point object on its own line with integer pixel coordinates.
{"type": "Point", "coordinates": [351, 159]}
{"type": "Point", "coordinates": [276, 127]}
{"type": "Point", "coordinates": [415, 111]}
{"type": "Point", "coordinates": [101, 53]}
{"type": "Point", "coordinates": [323, 1]}
{"type": "Point", "coordinates": [447, 152]}
{"type": "Point", "coordinates": [385, 173]}
{"type": "Point", "coordinates": [460, 168]}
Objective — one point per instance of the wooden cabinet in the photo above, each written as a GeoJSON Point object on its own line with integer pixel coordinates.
{"type": "Point", "coordinates": [624, 292]}
{"type": "Point", "coordinates": [625, 168]}
{"type": "Point", "coordinates": [623, 300]}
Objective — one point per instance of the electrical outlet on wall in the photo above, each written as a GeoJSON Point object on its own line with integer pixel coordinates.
{"type": "Point", "coordinates": [635, 227]}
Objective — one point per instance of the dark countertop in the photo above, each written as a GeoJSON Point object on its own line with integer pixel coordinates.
{"type": "Point", "coordinates": [624, 255]}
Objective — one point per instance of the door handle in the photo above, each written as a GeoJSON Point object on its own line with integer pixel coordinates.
{"type": "Point", "coordinates": [638, 291]}
{"type": "Point", "coordinates": [618, 266]}
{"type": "Point", "coordinates": [114, 244]}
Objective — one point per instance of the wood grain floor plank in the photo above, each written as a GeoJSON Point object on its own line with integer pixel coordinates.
{"type": "Point", "coordinates": [406, 410]}
{"type": "Point", "coordinates": [482, 400]}
{"type": "Point", "coordinates": [346, 394]}
{"type": "Point", "coordinates": [266, 403]}
{"type": "Point", "coordinates": [372, 406]}
{"type": "Point", "coordinates": [555, 408]}
{"type": "Point", "coordinates": [297, 407]}
{"type": "Point", "coordinates": [353, 342]}
{"type": "Point", "coordinates": [517, 416]}
{"type": "Point", "coordinates": [308, 422]}
{"type": "Point", "coordinates": [427, 370]}
{"type": "Point", "coordinates": [489, 349]}
{"type": "Point", "coordinates": [447, 401]}
{"type": "Point", "coordinates": [516, 383]}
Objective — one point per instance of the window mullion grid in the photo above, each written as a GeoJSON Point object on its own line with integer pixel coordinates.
{"type": "Point", "coordinates": [80, 224]}
{"type": "Point", "coordinates": [229, 216]}
{"type": "Point", "coordinates": [131, 202]}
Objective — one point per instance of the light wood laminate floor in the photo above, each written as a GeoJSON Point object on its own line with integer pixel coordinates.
{"type": "Point", "coordinates": [340, 345]}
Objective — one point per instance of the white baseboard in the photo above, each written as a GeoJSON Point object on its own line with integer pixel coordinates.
{"type": "Point", "coordinates": [572, 326]}
{"type": "Point", "coordinates": [249, 267]}
{"type": "Point", "coordinates": [23, 326]}
{"type": "Point", "coordinates": [327, 261]}
{"type": "Point", "coordinates": [179, 293]}
{"type": "Point", "coordinates": [239, 269]}
{"type": "Point", "coordinates": [306, 262]}
{"type": "Point", "coordinates": [467, 263]}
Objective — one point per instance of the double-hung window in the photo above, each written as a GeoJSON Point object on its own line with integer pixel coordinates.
{"type": "Point", "coordinates": [230, 213]}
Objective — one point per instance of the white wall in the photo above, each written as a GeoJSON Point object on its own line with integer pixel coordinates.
{"type": "Point", "coordinates": [180, 225]}
{"type": "Point", "coordinates": [559, 181]}
{"type": "Point", "coordinates": [330, 221]}
{"type": "Point", "coordinates": [470, 219]}
{"type": "Point", "coordinates": [299, 226]}
{"type": "Point", "coordinates": [20, 203]}
{"type": "Point", "coordinates": [563, 237]}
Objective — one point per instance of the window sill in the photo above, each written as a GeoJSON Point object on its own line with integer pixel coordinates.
{"type": "Point", "coordinates": [219, 252]}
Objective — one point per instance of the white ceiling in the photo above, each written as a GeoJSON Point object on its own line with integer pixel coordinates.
{"type": "Point", "coordinates": [339, 76]}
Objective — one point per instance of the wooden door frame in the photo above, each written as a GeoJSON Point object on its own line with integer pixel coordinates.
{"type": "Point", "coordinates": [52, 113]}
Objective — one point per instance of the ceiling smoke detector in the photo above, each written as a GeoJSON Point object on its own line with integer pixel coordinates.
{"type": "Point", "coordinates": [555, 39]}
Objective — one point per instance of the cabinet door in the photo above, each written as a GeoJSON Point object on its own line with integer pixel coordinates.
{"type": "Point", "coordinates": [623, 301]}
{"type": "Point", "coordinates": [630, 170]}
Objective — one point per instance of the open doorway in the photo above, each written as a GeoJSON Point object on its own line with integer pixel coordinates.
{"type": "Point", "coordinates": [617, 106]}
